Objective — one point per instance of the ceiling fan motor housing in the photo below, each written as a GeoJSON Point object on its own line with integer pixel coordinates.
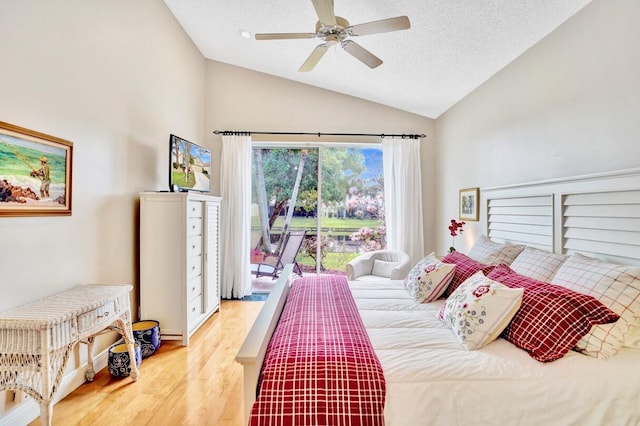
{"type": "Point", "coordinates": [336, 33]}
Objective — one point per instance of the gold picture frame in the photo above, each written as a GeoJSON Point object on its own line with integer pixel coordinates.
{"type": "Point", "coordinates": [468, 204]}
{"type": "Point", "coordinates": [36, 173]}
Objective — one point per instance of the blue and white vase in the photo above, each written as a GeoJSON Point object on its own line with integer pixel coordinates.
{"type": "Point", "coordinates": [119, 361]}
{"type": "Point", "coordinates": [147, 334]}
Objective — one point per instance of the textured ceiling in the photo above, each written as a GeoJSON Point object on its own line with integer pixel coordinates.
{"type": "Point", "coordinates": [453, 46]}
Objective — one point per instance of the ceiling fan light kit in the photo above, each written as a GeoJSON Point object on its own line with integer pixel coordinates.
{"type": "Point", "coordinates": [337, 30]}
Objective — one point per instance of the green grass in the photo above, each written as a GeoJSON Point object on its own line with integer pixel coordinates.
{"type": "Point", "coordinates": [331, 261]}
{"type": "Point", "coordinates": [178, 179]}
{"type": "Point", "coordinates": [334, 225]}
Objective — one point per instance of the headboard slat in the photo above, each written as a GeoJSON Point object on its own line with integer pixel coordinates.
{"type": "Point", "coordinates": [546, 221]}
{"type": "Point", "coordinates": [614, 224]}
{"type": "Point", "coordinates": [606, 198]}
{"type": "Point", "coordinates": [544, 200]}
{"type": "Point", "coordinates": [522, 228]}
{"type": "Point", "coordinates": [603, 250]}
{"type": "Point", "coordinates": [603, 235]}
{"type": "Point", "coordinates": [598, 210]}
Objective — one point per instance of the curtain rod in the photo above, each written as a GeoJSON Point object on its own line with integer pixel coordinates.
{"type": "Point", "coordinates": [318, 134]}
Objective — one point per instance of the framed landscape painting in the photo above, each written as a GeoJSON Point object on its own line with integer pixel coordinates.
{"type": "Point", "coordinates": [35, 173]}
{"type": "Point", "coordinates": [468, 204]}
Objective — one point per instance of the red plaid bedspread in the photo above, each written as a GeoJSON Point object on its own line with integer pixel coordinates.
{"type": "Point", "coordinates": [320, 367]}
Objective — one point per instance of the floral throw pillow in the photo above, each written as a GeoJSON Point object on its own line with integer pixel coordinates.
{"type": "Point", "coordinates": [479, 310]}
{"type": "Point", "coordinates": [429, 278]}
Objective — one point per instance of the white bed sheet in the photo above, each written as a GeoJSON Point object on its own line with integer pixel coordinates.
{"type": "Point", "coordinates": [432, 380]}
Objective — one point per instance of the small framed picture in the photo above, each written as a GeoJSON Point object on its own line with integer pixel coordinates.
{"type": "Point", "coordinates": [35, 173]}
{"type": "Point", "coordinates": [468, 200]}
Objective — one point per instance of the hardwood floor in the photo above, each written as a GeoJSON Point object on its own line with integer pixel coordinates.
{"type": "Point", "coordinates": [196, 385]}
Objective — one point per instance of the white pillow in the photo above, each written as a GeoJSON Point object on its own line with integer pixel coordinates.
{"type": "Point", "coordinates": [537, 264]}
{"type": "Point", "coordinates": [618, 288]}
{"type": "Point", "coordinates": [429, 278]}
{"type": "Point", "coordinates": [632, 340]}
{"type": "Point", "coordinates": [486, 251]}
{"type": "Point", "coordinates": [480, 309]}
{"type": "Point", "coordinates": [383, 268]}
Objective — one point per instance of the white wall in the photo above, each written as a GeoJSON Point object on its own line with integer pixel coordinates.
{"type": "Point", "coordinates": [115, 78]}
{"type": "Point", "coordinates": [241, 99]}
{"type": "Point", "coordinates": [568, 106]}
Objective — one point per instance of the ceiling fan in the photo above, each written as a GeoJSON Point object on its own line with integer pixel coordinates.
{"type": "Point", "coordinates": [336, 30]}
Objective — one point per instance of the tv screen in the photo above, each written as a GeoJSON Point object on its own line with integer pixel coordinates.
{"type": "Point", "coordinates": [189, 166]}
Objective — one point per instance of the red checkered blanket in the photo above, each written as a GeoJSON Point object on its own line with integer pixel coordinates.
{"type": "Point", "coordinates": [320, 367]}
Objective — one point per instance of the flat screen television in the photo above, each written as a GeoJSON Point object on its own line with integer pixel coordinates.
{"type": "Point", "coordinates": [189, 166]}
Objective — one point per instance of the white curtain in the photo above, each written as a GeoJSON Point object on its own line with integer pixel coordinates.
{"type": "Point", "coordinates": [235, 190]}
{"type": "Point", "coordinates": [403, 196]}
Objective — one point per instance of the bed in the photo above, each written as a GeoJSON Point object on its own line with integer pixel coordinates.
{"type": "Point", "coordinates": [430, 378]}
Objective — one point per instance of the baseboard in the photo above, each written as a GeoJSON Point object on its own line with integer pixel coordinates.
{"type": "Point", "coordinates": [28, 410]}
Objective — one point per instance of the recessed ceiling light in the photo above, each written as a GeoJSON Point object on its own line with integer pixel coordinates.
{"type": "Point", "coordinates": [245, 34]}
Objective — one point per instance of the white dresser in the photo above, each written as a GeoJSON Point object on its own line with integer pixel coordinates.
{"type": "Point", "coordinates": [179, 261]}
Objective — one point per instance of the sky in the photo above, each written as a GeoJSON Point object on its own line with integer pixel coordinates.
{"type": "Point", "coordinates": [373, 161]}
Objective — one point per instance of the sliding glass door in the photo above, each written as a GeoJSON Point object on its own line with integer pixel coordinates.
{"type": "Point", "coordinates": [334, 193]}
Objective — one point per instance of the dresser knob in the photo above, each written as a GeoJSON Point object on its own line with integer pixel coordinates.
{"type": "Point", "coordinates": [106, 314]}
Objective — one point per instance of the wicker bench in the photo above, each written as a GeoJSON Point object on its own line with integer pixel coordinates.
{"type": "Point", "coordinates": [37, 338]}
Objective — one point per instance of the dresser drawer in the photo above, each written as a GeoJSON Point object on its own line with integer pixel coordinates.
{"type": "Point", "coordinates": [194, 310]}
{"type": "Point", "coordinates": [194, 246]}
{"type": "Point", "coordinates": [194, 267]}
{"type": "Point", "coordinates": [194, 287]}
{"type": "Point", "coordinates": [194, 226]}
{"type": "Point", "coordinates": [194, 209]}
{"type": "Point", "coordinates": [98, 317]}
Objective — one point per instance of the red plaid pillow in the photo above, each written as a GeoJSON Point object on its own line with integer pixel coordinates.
{"type": "Point", "coordinates": [465, 268]}
{"type": "Point", "coordinates": [552, 318]}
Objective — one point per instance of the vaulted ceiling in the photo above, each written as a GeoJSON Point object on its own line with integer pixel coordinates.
{"type": "Point", "coordinates": [452, 47]}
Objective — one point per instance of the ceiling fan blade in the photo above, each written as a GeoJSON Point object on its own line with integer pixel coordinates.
{"type": "Point", "coordinates": [362, 54]}
{"type": "Point", "coordinates": [284, 36]}
{"type": "Point", "coordinates": [324, 10]}
{"type": "Point", "coordinates": [382, 26]}
{"type": "Point", "coordinates": [315, 57]}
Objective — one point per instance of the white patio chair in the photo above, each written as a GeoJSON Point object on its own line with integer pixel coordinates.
{"type": "Point", "coordinates": [374, 265]}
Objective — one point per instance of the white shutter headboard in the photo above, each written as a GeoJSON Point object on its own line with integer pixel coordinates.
{"type": "Point", "coordinates": [522, 220]}
{"type": "Point", "coordinates": [603, 224]}
{"type": "Point", "coordinates": [597, 215]}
